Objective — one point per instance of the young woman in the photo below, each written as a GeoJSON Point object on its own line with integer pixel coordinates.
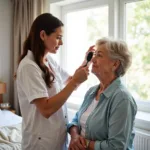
{"type": "Point", "coordinates": [40, 82]}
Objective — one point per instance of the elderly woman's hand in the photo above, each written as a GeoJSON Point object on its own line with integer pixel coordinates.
{"type": "Point", "coordinates": [77, 143]}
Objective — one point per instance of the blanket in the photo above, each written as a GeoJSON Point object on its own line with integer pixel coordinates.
{"type": "Point", "coordinates": [10, 137]}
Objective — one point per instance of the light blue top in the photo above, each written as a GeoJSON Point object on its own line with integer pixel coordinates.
{"type": "Point", "coordinates": [111, 123]}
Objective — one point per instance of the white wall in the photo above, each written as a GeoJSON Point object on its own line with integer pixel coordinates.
{"type": "Point", "coordinates": [6, 27]}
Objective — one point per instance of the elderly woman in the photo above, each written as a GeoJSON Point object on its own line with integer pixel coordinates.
{"type": "Point", "coordinates": [106, 118]}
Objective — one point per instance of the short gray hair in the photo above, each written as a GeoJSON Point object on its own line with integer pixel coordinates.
{"type": "Point", "coordinates": [117, 50]}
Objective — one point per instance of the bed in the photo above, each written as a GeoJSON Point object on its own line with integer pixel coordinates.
{"type": "Point", "coordinates": [10, 130]}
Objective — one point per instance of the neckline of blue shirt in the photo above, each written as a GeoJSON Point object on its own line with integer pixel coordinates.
{"type": "Point", "coordinates": [109, 90]}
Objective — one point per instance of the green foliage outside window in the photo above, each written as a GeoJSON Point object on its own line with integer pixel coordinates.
{"type": "Point", "coordinates": [138, 38]}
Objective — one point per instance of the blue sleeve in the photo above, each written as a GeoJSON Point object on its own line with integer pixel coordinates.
{"type": "Point", "coordinates": [120, 127]}
{"type": "Point", "coordinates": [74, 122]}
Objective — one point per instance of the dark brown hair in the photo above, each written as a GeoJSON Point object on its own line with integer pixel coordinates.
{"type": "Point", "coordinates": [49, 24]}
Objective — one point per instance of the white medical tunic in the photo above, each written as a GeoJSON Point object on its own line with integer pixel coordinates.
{"type": "Point", "coordinates": [38, 132]}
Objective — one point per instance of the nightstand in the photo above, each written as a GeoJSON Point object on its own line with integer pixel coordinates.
{"type": "Point", "coordinates": [12, 110]}
{"type": "Point", "coordinates": [9, 109]}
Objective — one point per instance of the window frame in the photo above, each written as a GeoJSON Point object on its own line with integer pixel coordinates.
{"type": "Point", "coordinates": [76, 7]}
{"type": "Point", "coordinates": [79, 7]}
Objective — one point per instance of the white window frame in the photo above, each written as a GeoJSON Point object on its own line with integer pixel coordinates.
{"type": "Point", "coordinates": [117, 29]}
{"type": "Point", "coordinates": [75, 7]}
{"type": "Point", "coordinates": [78, 7]}
{"type": "Point", "coordinates": [142, 105]}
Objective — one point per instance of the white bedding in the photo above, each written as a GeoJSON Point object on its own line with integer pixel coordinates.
{"type": "Point", "coordinates": [7, 118]}
{"type": "Point", "coordinates": [10, 137]}
{"type": "Point", "coordinates": [10, 131]}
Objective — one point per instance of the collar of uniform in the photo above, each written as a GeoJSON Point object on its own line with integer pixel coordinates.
{"type": "Point", "coordinates": [30, 55]}
{"type": "Point", "coordinates": [112, 87]}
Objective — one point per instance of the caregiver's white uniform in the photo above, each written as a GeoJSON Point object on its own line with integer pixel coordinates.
{"type": "Point", "coordinates": [40, 133]}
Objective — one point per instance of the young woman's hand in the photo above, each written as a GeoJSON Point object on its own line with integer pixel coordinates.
{"type": "Point", "coordinates": [80, 75]}
{"type": "Point", "coordinates": [77, 143]}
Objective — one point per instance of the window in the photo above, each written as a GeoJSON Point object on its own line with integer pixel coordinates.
{"type": "Point", "coordinates": [83, 28]}
{"type": "Point", "coordinates": [134, 27]}
{"type": "Point", "coordinates": [138, 39]}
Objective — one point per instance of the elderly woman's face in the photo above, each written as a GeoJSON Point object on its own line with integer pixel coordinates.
{"type": "Point", "coordinates": [102, 65]}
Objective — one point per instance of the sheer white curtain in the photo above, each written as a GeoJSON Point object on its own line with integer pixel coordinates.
{"type": "Point", "coordinates": [25, 11]}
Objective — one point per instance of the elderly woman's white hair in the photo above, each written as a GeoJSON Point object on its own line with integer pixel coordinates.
{"type": "Point", "coordinates": [117, 50]}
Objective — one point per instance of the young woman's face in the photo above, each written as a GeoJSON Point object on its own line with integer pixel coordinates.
{"type": "Point", "coordinates": [53, 41]}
